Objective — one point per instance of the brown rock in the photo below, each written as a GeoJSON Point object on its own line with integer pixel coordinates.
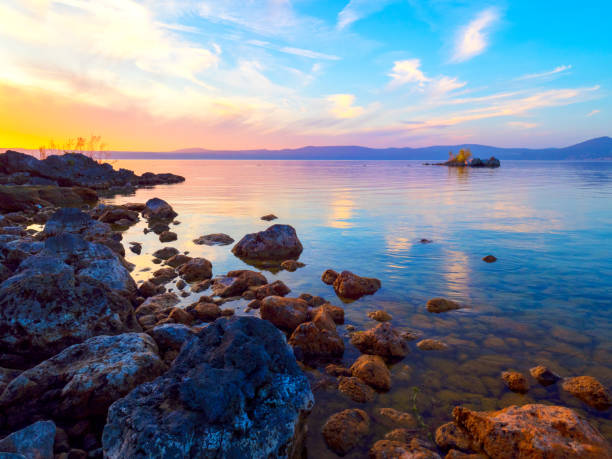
{"type": "Point", "coordinates": [352, 286]}
{"type": "Point", "coordinates": [438, 305]}
{"type": "Point", "coordinates": [356, 389]}
{"type": "Point", "coordinates": [387, 449]}
{"type": "Point", "coordinates": [543, 375]}
{"type": "Point", "coordinates": [432, 345]}
{"type": "Point", "coordinates": [214, 239]}
{"type": "Point", "coordinates": [201, 286]}
{"type": "Point", "coordinates": [344, 430]}
{"type": "Point", "coordinates": [291, 265]}
{"type": "Point", "coordinates": [206, 312]}
{"type": "Point", "coordinates": [313, 300]}
{"type": "Point", "coordinates": [450, 435]}
{"type": "Point", "coordinates": [515, 381]}
{"type": "Point", "coordinates": [177, 260]}
{"type": "Point", "coordinates": [381, 340]}
{"type": "Point", "coordinates": [589, 390]}
{"type": "Point", "coordinates": [148, 289]}
{"type": "Point", "coordinates": [168, 236]}
{"type": "Point", "coordinates": [269, 217]}
{"type": "Point", "coordinates": [534, 431]}
{"type": "Point", "coordinates": [276, 288]}
{"type": "Point", "coordinates": [278, 242]}
{"type": "Point", "coordinates": [196, 269]}
{"type": "Point", "coordinates": [335, 312]}
{"type": "Point", "coordinates": [318, 338]}
{"type": "Point", "coordinates": [489, 259]}
{"type": "Point", "coordinates": [180, 316]}
{"type": "Point", "coordinates": [379, 316]}
{"type": "Point", "coordinates": [371, 369]}
{"type": "Point", "coordinates": [236, 282]}
{"type": "Point", "coordinates": [163, 276]}
{"type": "Point", "coordinates": [165, 253]}
{"type": "Point", "coordinates": [329, 276]}
{"type": "Point", "coordinates": [285, 313]}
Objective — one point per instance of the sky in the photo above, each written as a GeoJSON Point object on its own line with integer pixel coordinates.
{"type": "Point", "coordinates": [159, 75]}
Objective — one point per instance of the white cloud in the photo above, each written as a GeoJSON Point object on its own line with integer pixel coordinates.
{"type": "Point", "coordinates": [342, 106]}
{"type": "Point", "coordinates": [473, 39]}
{"type": "Point", "coordinates": [358, 9]}
{"type": "Point", "coordinates": [559, 69]}
{"type": "Point", "coordinates": [594, 112]}
{"type": "Point", "coordinates": [407, 71]}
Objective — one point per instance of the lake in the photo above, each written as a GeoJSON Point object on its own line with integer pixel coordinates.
{"type": "Point", "coordinates": [547, 300]}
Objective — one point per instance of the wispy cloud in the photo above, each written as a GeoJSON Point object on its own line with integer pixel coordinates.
{"type": "Point", "coordinates": [594, 112]}
{"type": "Point", "coordinates": [407, 71]}
{"type": "Point", "coordinates": [342, 106]}
{"type": "Point", "coordinates": [559, 69]}
{"type": "Point", "coordinates": [359, 9]}
{"type": "Point", "coordinates": [522, 124]}
{"type": "Point", "coordinates": [472, 39]}
{"type": "Point", "coordinates": [291, 50]}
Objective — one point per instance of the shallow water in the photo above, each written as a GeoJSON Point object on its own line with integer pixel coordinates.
{"type": "Point", "coordinates": [547, 300]}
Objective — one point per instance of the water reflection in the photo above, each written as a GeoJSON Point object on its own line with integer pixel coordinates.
{"type": "Point", "coordinates": [546, 300]}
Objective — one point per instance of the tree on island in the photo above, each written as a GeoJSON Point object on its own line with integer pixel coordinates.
{"type": "Point", "coordinates": [463, 157]}
{"type": "Point", "coordinates": [93, 148]}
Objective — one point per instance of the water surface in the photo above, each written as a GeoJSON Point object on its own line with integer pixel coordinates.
{"type": "Point", "coordinates": [547, 300]}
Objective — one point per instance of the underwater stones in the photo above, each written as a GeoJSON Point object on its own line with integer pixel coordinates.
{"type": "Point", "coordinates": [515, 381]}
{"type": "Point", "coordinates": [344, 430]}
{"type": "Point", "coordinates": [351, 286]}
{"type": "Point", "coordinates": [291, 265]}
{"type": "Point", "coordinates": [381, 340]}
{"type": "Point", "coordinates": [543, 375]}
{"type": "Point", "coordinates": [214, 239]}
{"type": "Point", "coordinates": [158, 209]}
{"type": "Point", "coordinates": [396, 419]}
{"type": "Point", "coordinates": [278, 242]}
{"type": "Point", "coordinates": [531, 431]}
{"type": "Point", "coordinates": [33, 442]}
{"type": "Point", "coordinates": [329, 276]}
{"type": "Point", "coordinates": [432, 345]}
{"type": "Point", "coordinates": [168, 236]}
{"type": "Point", "coordinates": [379, 316]}
{"type": "Point", "coordinates": [82, 380]}
{"type": "Point", "coordinates": [589, 390]}
{"type": "Point", "coordinates": [489, 259]}
{"type": "Point", "coordinates": [196, 269]}
{"type": "Point", "coordinates": [356, 389]}
{"type": "Point", "coordinates": [235, 390]}
{"type": "Point", "coordinates": [438, 305]}
{"type": "Point", "coordinates": [372, 370]}
{"type": "Point", "coordinates": [165, 253]}
{"type": "Point", "coordinates": [285, 313]}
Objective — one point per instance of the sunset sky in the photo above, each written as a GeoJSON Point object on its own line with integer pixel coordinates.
{"type": "Point", "coordinates": [160, 75]}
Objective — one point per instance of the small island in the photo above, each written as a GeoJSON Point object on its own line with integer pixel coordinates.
{"type": "Point", "coordinates": [464, 159]}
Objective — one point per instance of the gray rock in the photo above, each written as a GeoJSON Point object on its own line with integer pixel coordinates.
{"type": "Point", "coordinates": [235, 390]}
{"type": "Point", "coordinates": [214, 239]}
{"type": "Point", "coordinates": [171, 336]}
{"type": "Point", "coordinates": [83, 380]}
{"type": "Point", "coordinates": [33, 442]}
{"type": "Point", "coordinates": [278, 242]}
{"type": "Point", "coordinates": [158, 209]}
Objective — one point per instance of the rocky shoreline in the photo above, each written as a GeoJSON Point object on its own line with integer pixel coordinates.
{"type": "Point", "coordinates": [94, 365]}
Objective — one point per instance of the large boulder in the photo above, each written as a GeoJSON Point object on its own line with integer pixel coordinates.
{"type": "Point", "coordinates": [33, 442]}
{"type": "Point", "coordinates": [158, 209]}
{"type": "Point", "coordinates": [278, 242]}
{"type": "Point", "coordinates": [235, 390]}
{"type": "Point", "coordinates": [83, 380]}
{"type": "Point", "coordinates": [351, 286]}
{"type": "Point", "coordinates": [48, 307]}
{"type": "Point", "coordinates": [525, 431]}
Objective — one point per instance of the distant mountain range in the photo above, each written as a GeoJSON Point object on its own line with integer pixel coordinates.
{"type": "Point", "coordinates": [594, 149]}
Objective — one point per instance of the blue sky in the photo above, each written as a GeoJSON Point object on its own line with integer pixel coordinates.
{"type": "Point", "coordinates": [278, 73]}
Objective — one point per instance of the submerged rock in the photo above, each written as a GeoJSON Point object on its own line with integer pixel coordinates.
{"type": "Point", "coordinates": [387, 449]}
{"type": "Point", "coordinates": [344, 430]}
{"type": "Point", "coordinates": [380, 315]}
{"type": "Point", "coordinates": [356, 389]}
{"type": "Point", "coordinates": [432, 345]}
{"type": "Point", "coordinates": [589, 390]}
{"type": "Point", "coordinates": [214, 239]}
{"type": "Point", "coordinates": [352, 286]}
{"type": "Point", "coordinates": [372, 370]}
{"type": "Point", "coordinates": [278, 242]}
{"type": "Point", "coordinates": [234, 390]}
{"type": "Point", "coordinates": [543, 375]}
{"type": "Point", "coordinates": [33, 442]}
{"type": "Point", "coordinates": [529, 431]}
{"type": "Point", "coordinates": [515, 381]}
{"type": "Point", "coordinates": [381, 340]}
{"type": "Point", "coordinates": [82, 380]}
{"type": "Point", "coordinates": [438, 305]}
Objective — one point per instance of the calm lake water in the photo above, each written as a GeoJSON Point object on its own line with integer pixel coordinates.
{"type": "Point", "coordinates": [547, 300]}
